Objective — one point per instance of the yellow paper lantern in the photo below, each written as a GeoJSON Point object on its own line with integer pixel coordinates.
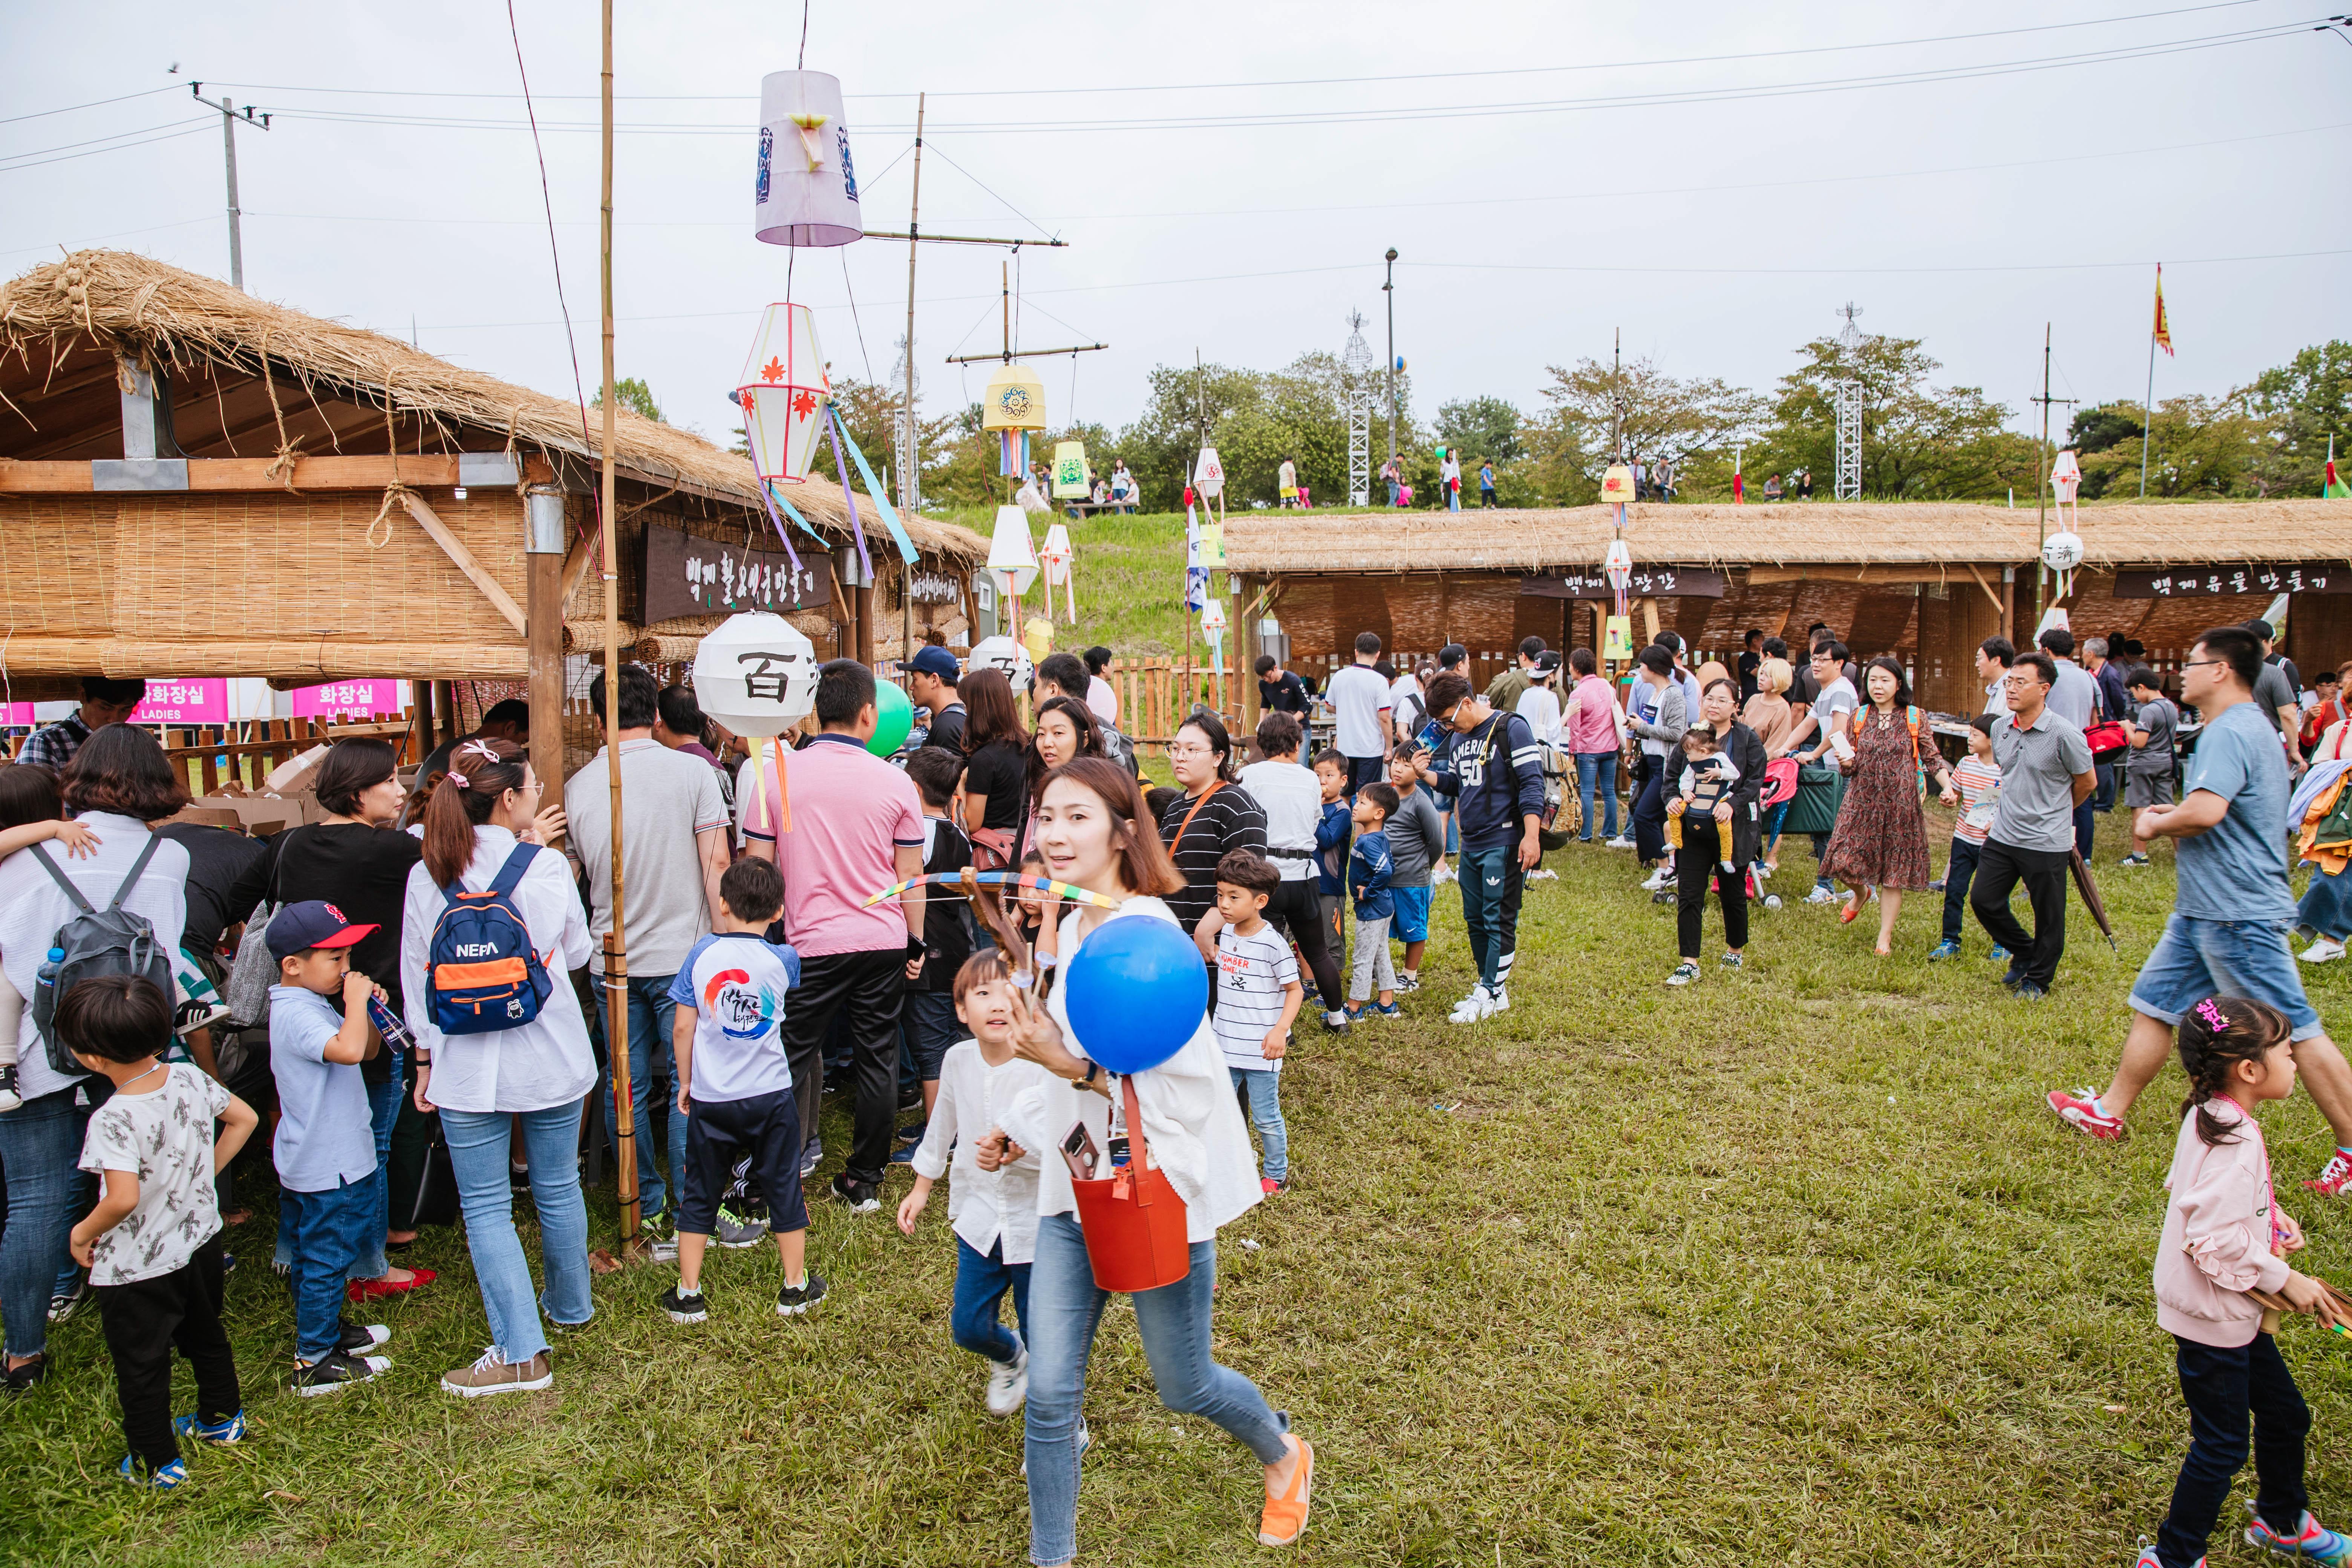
{"type": "Point", "coordinates": [1070, 471]}
{"type": "Point", "coordinates": [1016, 400]}
{"type": "Point", "coordinates": [1037, 637]}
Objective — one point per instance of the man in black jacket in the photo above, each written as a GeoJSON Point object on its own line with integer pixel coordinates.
{"type": "Point", "coordinates": [1492, 769]}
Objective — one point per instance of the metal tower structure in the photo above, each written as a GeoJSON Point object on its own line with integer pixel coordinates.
{"type": "Point", "coordinates": [1849, 408]}
{"type": "Point", "coordinates": [1356, 367]}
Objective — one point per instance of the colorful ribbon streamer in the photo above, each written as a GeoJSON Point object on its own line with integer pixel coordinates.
{"type": "Point", "coordinates": [1007, 879]}
{"type": "Point", "coordinates": [874, 488]}
{"type": "Point", "coordinates": [848, 497]}
{"type": "Point", "coordinates": [778, 523]}
{"type": "Point", "coordinates": [793, 512]}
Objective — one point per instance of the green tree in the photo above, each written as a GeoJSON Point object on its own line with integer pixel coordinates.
{"type": "Point", "coordinates": [1919, 442]}
{"type": "Point", "coordinates": [1652, 415]}
{"type": "Point", "coordinates": [1482, 428]}
{"type": "Point", "coordinates": [2200, 448]}
{"type": "Point", "coordinates": [633, 394]}
{"type": "Point", "coordinates": [2103, 428]}
{"type": "Point", "coordinates": [2306, 400]}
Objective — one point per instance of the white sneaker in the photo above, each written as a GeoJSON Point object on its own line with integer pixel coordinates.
{"type": "Point", "coordinates": [1498, 1000]}
{"type": "Point", "coordinates": [1479, 1005]}
{"type": "Point", "coordinates": [1008, 1382]}
{"type": "Point", "coordinates": [2325, 950]}
{"type": "Point", "coordinates": [1620, 842]}
{"type": "Point", "coordinates": [1658, 879]}
{"type": "Point", "coordinates": [1440, 874]}
{"type": "Point", "coordinates": [1543, 874]}
{"type": "Point", "coordinates": [1821, 895]}
{"type": "Point", "coordinates": [1685, 972]}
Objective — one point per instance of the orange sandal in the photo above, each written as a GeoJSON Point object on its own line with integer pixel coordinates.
{"type": "Point", "coordinates": [1284, 1518]}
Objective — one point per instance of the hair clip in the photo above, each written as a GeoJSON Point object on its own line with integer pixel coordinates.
{"type": "Point", "coordinates": [455, 777]}
{"type": "Point", "coordinates": [478, 749]}
{"type": "Point", "coordinates": [2212, 1015]}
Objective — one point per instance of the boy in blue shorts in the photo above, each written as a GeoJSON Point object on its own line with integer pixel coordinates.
{"type": "Point", "coordinates": [735, 1087]}
{"type": "Point", "coordinates": [1416, 843]}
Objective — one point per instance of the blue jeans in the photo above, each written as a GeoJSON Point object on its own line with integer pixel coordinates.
{"type": "Point", "coordinates": [931, 1028]}
{"type": "Point", "coordinates": [982, 1280]}
{"type": "Point", "coordinates": [39, 1143]}
{"type": "Point", "coordinates": [1173, 1324]}
{"type": "Point", "coordinates": [1484, 876]}
{"type": "Point", "coordinates": [383, 1110]}
{"type": "Point", "coordinates": [2327, 905]}
{"type": "Point", "coordinates": [1650, 810]}
{"type": "Point", "coordinates": [2196, 958]}
{"type": "Point", "coordinates": [1392, 492]}
{"type": "Point", "coordinates": [1597, 769]}
{"type": "Point", "coordinates": [651, 1013]}
{"type": "Point", "coordinates": [326, 1233]}
{"type": "Point", "coordinates": [1263, 1091]}
{"type": "Point", "coordinates": [477, 1155]}
{"type": "Point", "coordinates": [1959, 872]}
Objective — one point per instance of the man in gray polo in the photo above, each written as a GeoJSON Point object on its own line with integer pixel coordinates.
{"type": "Point", "coordinates": [2046, 774]}
{"type": "Point", "coordinates": [2073, 697]}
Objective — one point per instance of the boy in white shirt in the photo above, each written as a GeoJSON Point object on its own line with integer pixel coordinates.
{"type": "Point", "coordinates": [993, 1213]}
{"type": "Point", "coordinates": [735, 1087]}
{"type": "Point", "coordinates": [152, 1244]}
{"type": "Point", "coordinates": [1259, 995]}
{"type": "Point", "coordinates": [1539, 703]}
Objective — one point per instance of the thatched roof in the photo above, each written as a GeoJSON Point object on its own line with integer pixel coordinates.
{"type": "Point", "coordinates": [1826, 534]}
{"type": "Point", "coordinates": [112, 301]}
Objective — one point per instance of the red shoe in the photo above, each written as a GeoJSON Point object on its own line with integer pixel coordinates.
{"type": "Point", "coordinates": [1269, 1186]}
{"type": "Point", "coordinates": [1853, 908]}
{"type": "Point", "coordinates": [369, 1289]}
{"type": "Point", "coordinates": [2334, 1177]}
{"type": "Point", "coordinates": [2079, 1112]}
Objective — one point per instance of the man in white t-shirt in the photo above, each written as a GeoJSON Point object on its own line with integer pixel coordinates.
{"type": "Point", "coordinates": [1364, 715]}
{"type": "Point", "coordinates": [673, 851]}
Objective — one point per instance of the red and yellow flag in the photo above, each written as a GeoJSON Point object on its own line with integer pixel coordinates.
{"type": "Point", "coordinates": [2163, 325]}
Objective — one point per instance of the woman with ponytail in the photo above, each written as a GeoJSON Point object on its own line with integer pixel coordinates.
{"type": "Point", "coordinates": [2220, 1277]}
{"type": "Point", "coordinates": [480, 816]}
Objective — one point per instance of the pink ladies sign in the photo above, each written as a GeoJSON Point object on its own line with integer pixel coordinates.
{"type": "Point", "coordinates": [348, 700]}
{"type": "Point", "coordinates": [167, 702]}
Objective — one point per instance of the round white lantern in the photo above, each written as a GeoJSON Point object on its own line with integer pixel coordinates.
{"type": "Point", "coordinates": [756, 674]}
{"type": "Point", "coordinates": [1004, 655]}
{"type": "Point", "coordinates": [2062, 552]}
{"type": "Point", "coordinates": [783, 393]}
{"type": "Point", "coordinates": [807, 192]}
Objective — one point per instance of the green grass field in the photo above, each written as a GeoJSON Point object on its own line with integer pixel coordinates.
{"type": "Point", "coordinates": [1129, 576]}
{"type": "Point", "coordinates": [1791, 1267]}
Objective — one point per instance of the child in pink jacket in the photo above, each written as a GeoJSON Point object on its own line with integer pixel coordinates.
{"type": "Point", "coordinates": [2223, 1237]}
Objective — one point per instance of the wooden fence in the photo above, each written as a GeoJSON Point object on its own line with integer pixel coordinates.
{"type": "Point", "coordinates": [246, 752]}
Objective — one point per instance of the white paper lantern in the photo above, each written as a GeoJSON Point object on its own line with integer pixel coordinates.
{"type": "Point", "coordinates": [1055, 554]}
{"type": "Point", "coordinates": [1208, 475]}
{"type": "Point", "coordinates": [783, 393]}
{"type": "Point", "coordinates": [2062, 552]}
{"type": "Point", "coordinates": [1011, 556]}
{"type": "Point", "coordinates": [756, 674]}
{"type": "Point", "coordinates": [808, 192]}
{"type": "Point", "coordinates": [1004, 654]}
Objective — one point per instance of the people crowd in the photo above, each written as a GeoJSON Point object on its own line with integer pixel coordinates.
{"type": "Point", "coordinates": [430, 1004]}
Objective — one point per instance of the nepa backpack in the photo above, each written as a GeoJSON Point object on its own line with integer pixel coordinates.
{"type": "Point", "coordinates": [480, 968]}
{"type": "Point", "coordinates": [94, 942]}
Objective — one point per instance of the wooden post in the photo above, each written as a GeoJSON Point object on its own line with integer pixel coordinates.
{"type": "Point", "coordinates": [865, 601]}
{"type": "Point", "coordinates": [1246, 658]}
{"type": "Point", "coordinates": [544, 614]}
{"type": "Point", "coordinates": [616, 957]}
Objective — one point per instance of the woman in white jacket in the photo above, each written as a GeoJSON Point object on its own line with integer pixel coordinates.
{"type": "Point", "coordinates": [537, 1074]}
{"type": "Point", "coordinates": [1094, 833]}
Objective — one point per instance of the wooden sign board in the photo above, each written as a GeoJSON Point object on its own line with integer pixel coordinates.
{"type": "Point", "coordinates": [928, 587]}
{"type": "Point", "coordinates": [1648, 583]}
{"type": "Point", "coordinates": [689, 575]}
{"type": "Point", "coordinates": [2212, 582]}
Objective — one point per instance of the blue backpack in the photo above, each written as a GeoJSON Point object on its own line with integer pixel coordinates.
{"type": "Point", "coordinates": [482, 970]}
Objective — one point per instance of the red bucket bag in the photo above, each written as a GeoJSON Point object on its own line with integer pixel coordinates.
{"type": "Point", "coordinates": [1133, 1219]}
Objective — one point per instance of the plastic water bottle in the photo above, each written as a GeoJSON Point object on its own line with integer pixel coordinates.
{"type": "Point", "coordinates": [396, 1035]}
{"type": "Point", "coordinates": [46, 975]}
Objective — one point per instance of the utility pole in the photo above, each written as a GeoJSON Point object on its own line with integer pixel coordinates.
{"type": "Point", "coordinates": [230, 115]}
{"type": "Point", "coordinates": [909, 459]}
{"type": "Point", "coordinates": [1388, 289]}
{"type": "Point", "coordinates": [2042, 478]}
{"type": "Point", "coordinates": [1616, 399]}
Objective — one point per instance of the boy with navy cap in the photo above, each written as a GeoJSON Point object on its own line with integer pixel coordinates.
{"type": "Point", "coordinates": [325, 1145]}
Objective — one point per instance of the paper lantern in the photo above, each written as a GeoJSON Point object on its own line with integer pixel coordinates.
{"type": "Point", "coordinates": [2061, 552]}
{"type": "Point", "coordinates": [1213, 545]}
{"type": "Point", "coordinates": [784, 393]}
{"type": "Point", "coordinates": [2066, 477]}
{"type": "Point", "coordinates": [1010, 554]}
{"type": "Point", "coordinates": [1617, 484]}
{"type": "Point", "coordinates": [756, 674]}
{"type": "Point", "coordinates": [1002, 654]}
{"type": "Point", "coordinates": [1208, 475]}
{"type": "Point", "coordinates": [1055, 556]}
{"type": "Point", "coordinates": [1013, 406]}
{"type": "Point", "coordinates": [1037, 638]}
{"type": "Point", "coordinates": [1070, 471]}
{"type": "Point", "coordinates": [808, 192]}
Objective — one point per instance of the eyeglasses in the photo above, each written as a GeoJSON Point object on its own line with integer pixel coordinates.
{"type": "Point", "coordinates": [1192, 751]}
{"type": "Point", "coordinates": [2202, 663]}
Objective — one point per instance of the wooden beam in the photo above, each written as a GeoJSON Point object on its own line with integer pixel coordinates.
{"type": "Point", "coordinates": [1984, 585]}
{"type": "Point", "coordinates": [1842, 572]}
{"type": "Point", "coordinates": [216, 474]}
{"type": "Point", "coordinates": [455, 549]}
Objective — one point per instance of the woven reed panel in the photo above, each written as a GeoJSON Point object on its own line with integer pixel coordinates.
{"type": "Point", "coordinates": [263, 567]}
{"type": "Point", "coordinates": [57, 566]}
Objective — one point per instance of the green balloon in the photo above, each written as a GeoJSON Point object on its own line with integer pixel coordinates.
{"type": "Point", "coordinates": [894, 716]}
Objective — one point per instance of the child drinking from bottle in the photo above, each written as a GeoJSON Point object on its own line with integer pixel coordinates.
{"type": "Point", "coordinates": [2224, 1240]}
{"type": "Point", "coordinates": [993, 1213]}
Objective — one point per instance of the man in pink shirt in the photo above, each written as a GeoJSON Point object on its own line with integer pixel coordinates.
{"type": "Point", "coordinates": [843, 826]}
{"type": "Point", "coordinates": [1589, 732]}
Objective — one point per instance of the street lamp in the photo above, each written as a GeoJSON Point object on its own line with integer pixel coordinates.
{"type": "Point", "coordinates": [1388, 289]}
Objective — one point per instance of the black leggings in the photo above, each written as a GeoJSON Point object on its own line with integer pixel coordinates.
{"type": "Point", "coordinates": [1694, 867]}
{"type": "Point", "coordinates": [1296, 910]}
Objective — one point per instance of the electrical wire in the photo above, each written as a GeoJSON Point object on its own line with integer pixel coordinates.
{"type": "Point", "coordinates": [117, 136]}
{"type": "Point", "coordinates": [570, 339]}
{"type": "Point", "coordinates": [121, 147]}
{"type": "Point", "coordinates": [853, 315]}
{"type": "Point", "coordinates": [94, 104]}
{"type": "Point", "coordinates": [983, 185]}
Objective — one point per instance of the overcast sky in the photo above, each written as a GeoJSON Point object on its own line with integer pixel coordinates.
{"type": "Point", "coordinates": [396, 187]}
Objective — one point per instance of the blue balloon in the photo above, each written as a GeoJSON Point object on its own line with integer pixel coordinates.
{"type": "Point", "coordinates": [1136, 992]}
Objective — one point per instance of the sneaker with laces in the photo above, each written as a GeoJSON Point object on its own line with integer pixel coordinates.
{"type": "Point", "coordinates": [1268, 1186]}
{"type": "Point", "coordinates": [336, 1371]}
{"type": "Point", "coordinates": [493, 1373]}
{"type": "Point", "coordinates": [1657, 880]}
{"type": "Point", "coordinates": [1407, 983]}
{"type": "Point", "coordinates": [1733, 961]}
{"type": "Point", "coordinates": [1384, 1010]}
{"type": "Point", "coordinates": [1620, 842]}
{"type": "Point", "coordinates": [2135, 860]}
{"type": "Point", "coordinates": [1008, 1382]}
{"type": "Point", "coordinates": [2080, 1111]}
{"type": "Point", "coordinates": [737, 1231]}
{"type": "Point", "coordinates": [66, 1303]}
{"type": "Point", "coordinates": [811, 1158]}
{"type": "Point", "coordinates": [1479, 1005]}
{"type": "Point", "coordinates": [2311, 1543]}
{"type": "Point", "coordinates": [1498, 999]}
{"type": "Point", "coordinates": [2334, 1177]}
{"type": "Point", "coordinates": [226, 1430]}
{"type": "Point", "coordinates": [1685, 972]}
{"type": "Point", "coordinates": [163, 1479]}
{"type": "Point", "coordinates": [11, 1097]}
{"type": "Point", "coordinates": [793, 1299]}
{"type": "Point", "coordinates": [357, 1339]}
{"type": "Point", "coordinates": [863, 1197]}
{"type": "Point", "coordinates": [684, 1306]}
{"type": "Point", "coordinates": [1947, 948]}
{"type": "Point", "coordinates": [2148, 1559]}
{"type": "Point", "coordinates": [1998, 955]}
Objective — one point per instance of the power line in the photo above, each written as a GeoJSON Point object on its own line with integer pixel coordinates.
{"type": "Point", "coordinates": [117, 147]}
{"type": "Point", "coordinates": [94, 104]}
{"type": "Point", "coordinates": [1128, 90]}
{"type": "Point", "coordinates": [116, 136]}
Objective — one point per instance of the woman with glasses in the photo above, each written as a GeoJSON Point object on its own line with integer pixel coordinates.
{"type": "Point", "coordinates": [1213, 816]}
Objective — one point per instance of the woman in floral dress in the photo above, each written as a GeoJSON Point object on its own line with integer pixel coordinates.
{"type": "Point", "coordinates": [1881, 840]}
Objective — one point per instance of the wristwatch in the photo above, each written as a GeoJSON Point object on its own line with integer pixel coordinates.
{"type": "Point", "coordinates": [1094, 1070]}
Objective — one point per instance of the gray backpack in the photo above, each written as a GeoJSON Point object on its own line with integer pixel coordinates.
{"type": "Point", "coordinates": [93, 942]}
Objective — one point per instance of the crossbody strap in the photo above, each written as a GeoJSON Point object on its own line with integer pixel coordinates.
{"type": "Point", "coordinates": [1186, 826]}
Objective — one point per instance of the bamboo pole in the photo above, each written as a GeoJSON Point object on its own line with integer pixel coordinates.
{"type": "Point", "coordinates": [616, 955]}
{"type": "Point", "coordinates": [910, 462]}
